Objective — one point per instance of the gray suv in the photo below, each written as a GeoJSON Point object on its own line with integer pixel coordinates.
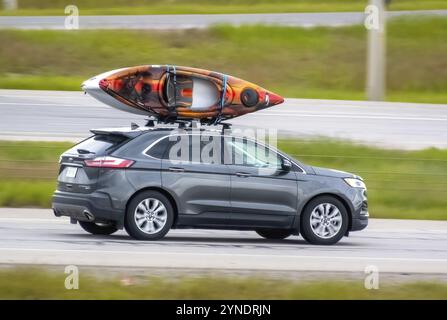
{"type": "Point", "coordinates": [151, 179]}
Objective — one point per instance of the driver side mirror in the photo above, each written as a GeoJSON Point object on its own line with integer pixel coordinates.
{"type": "Point", "coordinates": [286, 165]}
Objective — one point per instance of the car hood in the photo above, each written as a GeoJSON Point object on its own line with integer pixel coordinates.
{"type": "Point", "coordinates": [333, 173]}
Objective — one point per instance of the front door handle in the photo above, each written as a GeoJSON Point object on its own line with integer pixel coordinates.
{"type": "Point", "coordinates": [243, 174]}
{"type": "Point", "coordinates": [176, 169]}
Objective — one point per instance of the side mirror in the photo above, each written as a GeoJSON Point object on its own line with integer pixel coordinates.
{"type": "Point", "coordinates": [286, 165]}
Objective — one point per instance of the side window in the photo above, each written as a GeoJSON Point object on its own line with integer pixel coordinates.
{"type": "Point", "coordinates": [211, 149]}
{"type": "Point", "coordinates": [179, 148]}
{"type": "Point", "coordinates": [191, 148]}
{"type": "Point", "coordinates": [249, 153]}
{"type": "Point", "coordinates": [158, 150]}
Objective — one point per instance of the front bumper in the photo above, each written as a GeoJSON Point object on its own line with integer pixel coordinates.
{"type": "Point", "coordinates": [360, 215]}
{"type": "Point", "coordinates": [359, 223]}
{"type": "Point", "coordinates": [94, 207]}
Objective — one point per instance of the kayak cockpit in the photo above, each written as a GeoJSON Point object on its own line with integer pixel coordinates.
{"type": "Point", "coordinates": [194, 93]}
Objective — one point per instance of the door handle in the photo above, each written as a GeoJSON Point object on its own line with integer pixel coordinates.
{"type": "Point", "coordinates": [176, 169]}
{"type": "Point", "coordinates": [243, 174]}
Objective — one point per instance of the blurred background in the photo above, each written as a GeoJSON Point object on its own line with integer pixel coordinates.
{"type": "Point", "coordinates": [324, 56]}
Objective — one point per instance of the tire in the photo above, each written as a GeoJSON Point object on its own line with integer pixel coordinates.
{"type": "Point", "coordinates": [154, 213]}
{"type": "Point", "coordinates": [94, 228]}
{"type": "Point", "coordinates": [274, 234]}
{"type": "Point", "coordinates": [325, 230]}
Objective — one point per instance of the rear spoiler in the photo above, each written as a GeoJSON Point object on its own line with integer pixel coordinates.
{"type": "Point", "coordinates": [125, 132]}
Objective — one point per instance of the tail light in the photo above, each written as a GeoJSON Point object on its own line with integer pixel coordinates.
{"type": "Point", "coordinates": [109, 162]}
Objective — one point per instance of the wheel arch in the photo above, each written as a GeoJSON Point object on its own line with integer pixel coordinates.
{"type": "Point", "coordinates": [340, 198]}
{"type": "Point", "coordinates": [163, 192]}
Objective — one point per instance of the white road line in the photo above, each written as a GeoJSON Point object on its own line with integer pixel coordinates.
{"type": "Point", "coordinates": [26, 220]}
{"type": "Point", "coordinates": [152, 253]}
{"type": "Point", "coordinates": [49, 104]}
{"type": "Point", "coordinates": [298, 114]}
{"type": "Point", "coordinates": [265, 114]}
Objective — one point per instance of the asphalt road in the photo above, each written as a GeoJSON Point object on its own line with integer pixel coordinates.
{"type": "Point", "coordinates": [186, 21]}
{"type": "Point", "coordinates": [35, 236]}
{"type": "Point", "coordinates": [58, 115]}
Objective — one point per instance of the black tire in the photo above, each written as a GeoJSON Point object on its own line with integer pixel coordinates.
{"type": "Point", "coordinates": [94, 228]}
{"type": "Point", "coordinates": [274, 234]}
{"type": "Point", "coordinates": [308, 232]}
{"type": "Point", "coordinates": [131, 225]}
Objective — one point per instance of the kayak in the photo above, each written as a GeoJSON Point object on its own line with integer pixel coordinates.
{"type": "Point", "coordinates": [179, 93]}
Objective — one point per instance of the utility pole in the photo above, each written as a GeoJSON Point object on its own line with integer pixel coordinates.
{"type": "Point", "coordinates": [10, 4]}
{"type": "Point", "coordinates": [375, 22]}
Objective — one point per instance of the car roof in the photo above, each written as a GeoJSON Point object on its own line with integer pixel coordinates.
{"type": "Point", "coordinates": [135, 131]}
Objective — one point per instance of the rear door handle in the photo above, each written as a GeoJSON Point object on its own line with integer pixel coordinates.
{"type": "Point", "coordinates": [176, 169]}
{"type": "Point", "coordinates": [243, 174]}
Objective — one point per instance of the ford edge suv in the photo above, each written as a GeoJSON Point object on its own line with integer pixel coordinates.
{"type": "Point", "coordinates": [149, 180]}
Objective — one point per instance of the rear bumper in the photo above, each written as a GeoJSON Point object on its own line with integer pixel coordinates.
{"type": "Point", "coordinates": [87, 207]}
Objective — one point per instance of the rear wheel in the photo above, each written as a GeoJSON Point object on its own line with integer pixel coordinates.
{"type": "Point", "coordinates": [149, 216]}
{"type": "Point", "coordinates": [98, 228]}
{"type": "Point", "coordinates": [324, 221]}
{"type": "Point", "coordinates": [276, 234]}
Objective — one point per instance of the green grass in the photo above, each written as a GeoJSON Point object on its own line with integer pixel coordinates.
{"type": "Point", "coordinates": [401, 184]}
{"type": "Point", "coordinates": [28, 172]}
{"type": "Point", "coordinates": [37, 284]}
{"type": "Point", "coordinates": [295, 62]}
{"type": "Point", "coordinates": [104, 7]}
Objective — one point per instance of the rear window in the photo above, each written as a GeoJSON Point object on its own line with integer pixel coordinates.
{"type": "Point", "coordinates": [99, 144]}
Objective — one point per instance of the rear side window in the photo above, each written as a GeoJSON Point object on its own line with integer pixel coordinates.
{"type": "Point", "coordinates": [158, 149]}
{"type": "Point", "coordinates": [197, 148]}
{"type": "Point", "coordinates": [100, 145]}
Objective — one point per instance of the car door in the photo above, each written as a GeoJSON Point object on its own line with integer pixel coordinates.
{"type": "Point", "coordinates": [263, 193]}
{"type": "Point", "coordinates": [193, 170]}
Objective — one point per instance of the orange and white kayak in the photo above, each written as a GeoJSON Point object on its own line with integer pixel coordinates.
{"type": "Point", "coordinates": [173, 92]}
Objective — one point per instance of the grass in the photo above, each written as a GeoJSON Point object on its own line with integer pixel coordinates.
{"type": "Point", "coordinates": [401, 184]}
{"type": "Point", "coordinates": [28, 172]}
{"type": "Point", "coordinates": [37, 284]}
{"type": "Point", "coordinates": [104, 7]}
{"type": "Point", "coordinates": [295, 62]}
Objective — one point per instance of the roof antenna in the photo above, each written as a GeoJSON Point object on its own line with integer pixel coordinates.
{"type": "Point", "coordinates": [134, 126]}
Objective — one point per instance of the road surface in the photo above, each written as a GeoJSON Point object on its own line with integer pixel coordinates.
{"type": "Point", "coordinates": [186, 21]}
{"type": "Point", "coordinates": [59, 115]}
{"type": "Point", "coordinates": [35, 236]}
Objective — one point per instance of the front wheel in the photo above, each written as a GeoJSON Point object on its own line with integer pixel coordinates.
{"type": "Point", "coordinates": [98, 228]}
{"type": "Point", "coordinates": [149, 216]}
{"type": "Point", "coordinates": [274, 234]}
{"type": "Point", "coordinates": [324, 221]}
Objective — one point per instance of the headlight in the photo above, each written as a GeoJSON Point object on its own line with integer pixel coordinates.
{"type": "Point", "coordinates": [355, 183]}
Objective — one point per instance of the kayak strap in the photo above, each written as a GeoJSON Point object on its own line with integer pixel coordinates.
{"type": "Point", "coordinates": [222, 99]}
{"type": "Point", "coordinates": [171, 108]}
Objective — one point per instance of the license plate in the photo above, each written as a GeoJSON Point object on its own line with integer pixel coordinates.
{"type": "Point", "coordinates": [71, 172]}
